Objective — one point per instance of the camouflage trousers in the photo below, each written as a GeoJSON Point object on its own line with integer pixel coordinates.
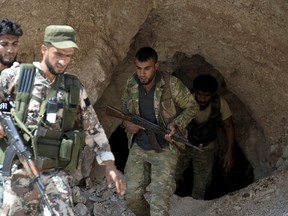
{"type": "Point", "coordinates": [150, 180]}
{"type": "Point", "coordinates": [202, 162]}
{"type": "Point", "coordinates": [21, 196]}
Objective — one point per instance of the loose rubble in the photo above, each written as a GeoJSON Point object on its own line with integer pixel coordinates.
{"type": "Point", "coordinates": [265, 197]}
{"type": "Point", "coordinates": [98, 200]}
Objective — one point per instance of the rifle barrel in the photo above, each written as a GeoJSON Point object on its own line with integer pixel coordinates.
{"type": "Point", "coordinates": [114, 112]}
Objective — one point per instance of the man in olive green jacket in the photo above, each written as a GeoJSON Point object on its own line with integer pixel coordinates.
{"type": "Point", "coordinates": [162, 99]}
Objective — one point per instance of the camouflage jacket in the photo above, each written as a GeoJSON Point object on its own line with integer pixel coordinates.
{"type": "Point", "coordinates": [95, 136]}
{"type": "Point", "coordinates": [172, 102]}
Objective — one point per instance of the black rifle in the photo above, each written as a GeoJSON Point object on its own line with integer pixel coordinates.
{"type": "Point", "coordinates": [150, 127]}
{"type": "Point", "coordinates": [17, 147]}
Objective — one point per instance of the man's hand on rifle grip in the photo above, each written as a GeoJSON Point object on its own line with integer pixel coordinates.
{"type": "Point", "coordinates": [172, 127]}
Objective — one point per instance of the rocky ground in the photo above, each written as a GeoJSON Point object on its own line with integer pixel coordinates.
{"type": "Point", "coordinates": [265, 197]}
{"type": "Point", "coordinates": [99, 200]}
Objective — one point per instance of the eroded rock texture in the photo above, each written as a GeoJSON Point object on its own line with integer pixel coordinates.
{"type": "Point", "coordinates": [244, 41]}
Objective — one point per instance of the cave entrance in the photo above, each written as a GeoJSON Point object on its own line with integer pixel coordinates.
{"type": "Point", "coordinates": [187, 68]}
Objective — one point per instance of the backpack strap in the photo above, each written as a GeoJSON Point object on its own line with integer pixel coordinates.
{"type": "Point", "coordinates": [24, 89]}
{"type": "Point", "coordinates": [72, 87]}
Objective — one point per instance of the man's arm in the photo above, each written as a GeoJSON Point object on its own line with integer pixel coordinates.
{"type": "Point", "coordinates": [185, 100]}
{"type": "Point", "coordinates": [8, 79]}
{"type": "Point", "coordinates": [97, 139]}
{"type": "Point", "coordinates": [113, 175]}
{"type": "Point", "coordinates": [230, 134]}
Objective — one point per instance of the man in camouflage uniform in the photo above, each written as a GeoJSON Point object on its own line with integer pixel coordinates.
{"type": "Point", "coordinates": [214, 110]}
{"type": "Point", "coordinates": [164, 100]}
{"type": "Point", "coordinates": [20, 194]}
{"type": "Point", "coordinates": [10, 32]}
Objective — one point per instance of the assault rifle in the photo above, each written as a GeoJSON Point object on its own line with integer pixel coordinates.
{"type": "Point", "coordinates": [17, 147]}
{"type": "Point", "coordinates": [150, 127]}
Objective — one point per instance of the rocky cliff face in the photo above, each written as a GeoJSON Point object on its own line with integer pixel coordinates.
{"type": "Point", "coordinates": [244, 41]}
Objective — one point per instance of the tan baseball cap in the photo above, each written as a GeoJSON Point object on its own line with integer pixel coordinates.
{"type": "Point", "coordinates": [61, 36]}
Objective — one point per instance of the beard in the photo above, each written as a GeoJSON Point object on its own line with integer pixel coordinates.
{"type": "Point", "coordinates": [6, 63]}
{"type": "Point", "coordinates": [145, 82]}
{"type": "Point", "coordinates": [51, 68]}
{"type": "Point", "coordinates": [203, 105]}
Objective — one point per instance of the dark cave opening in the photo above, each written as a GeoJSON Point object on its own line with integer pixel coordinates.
{"type": "Point", "coordinates": [119, 147]}
{"type": "Point", "coordinates": [222, 183]}
{"type": "Point", "coordinates": [186, 68]}
{"type": "Point", "coordinates": [240, 176]}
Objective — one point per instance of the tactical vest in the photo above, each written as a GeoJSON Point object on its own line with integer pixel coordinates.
{"type": "Point", "coordinates": [51, 148]}
{"type": "Point", "coordinates": [206, 132]}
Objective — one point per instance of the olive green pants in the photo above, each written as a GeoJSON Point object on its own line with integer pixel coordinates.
{"type": "Point", "coordinates": [150, 178]}
{"type": "Point", "coordinates": [202, 163]}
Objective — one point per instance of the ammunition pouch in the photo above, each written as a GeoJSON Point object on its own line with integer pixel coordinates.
{"type": "Point", "coordinates": [60, 153]}
{"type": "Point", "coordinates": [49, 145]}
{"type": "Point", "coordinates": [71, 147]}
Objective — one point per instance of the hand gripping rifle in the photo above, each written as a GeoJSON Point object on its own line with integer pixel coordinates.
{"type": "Point", "coordinates": [150, 127]}
{"type": "Point", "coordinates": [17, 147]}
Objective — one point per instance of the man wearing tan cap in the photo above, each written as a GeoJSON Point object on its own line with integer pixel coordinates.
{"type": "Point", "coordinates": [57, 105]}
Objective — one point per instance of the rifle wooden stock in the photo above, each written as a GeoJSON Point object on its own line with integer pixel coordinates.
{"type": "Point", "coordinates": [149, 126]}
{"type": "Point", "coordinates": [112, 111]}
{"type": "Point", "coordinates": [18, 147]}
